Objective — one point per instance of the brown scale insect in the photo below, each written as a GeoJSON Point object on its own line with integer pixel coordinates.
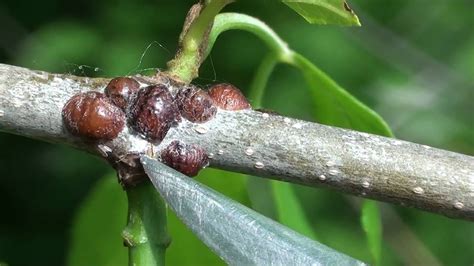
{"type": "Point", "coordinates": [185, 158]}
{"type": "Point", "coordinates": [195, 104]}
{"type": "Point", "coordinates": [121, 90]}
{"type": "Point", "coordinates": [93, 116]}
{"type": "Point", "coordinates": [153, 112]}
{"type": "Point", "coordinates": [228, 97]}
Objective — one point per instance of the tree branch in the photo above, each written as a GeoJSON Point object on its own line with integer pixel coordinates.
{"type": "Point", "coordinates": [265, 145]}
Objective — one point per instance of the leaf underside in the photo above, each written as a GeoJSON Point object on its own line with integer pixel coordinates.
{"type": "Point", "coordinates": [236, 233]}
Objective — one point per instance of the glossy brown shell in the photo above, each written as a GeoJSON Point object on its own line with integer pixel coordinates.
{"type": "Point", "coordinates": [92, 115]}
{"type": "Point", "coordinates": [187, 159]}
{"type": "Point", "coordinates": [153, 112]}
{"type": "Point", "coordinates": [121, 90]}
{"type": "Point", "coordinates": [195, 104]}
{"type": "Point", "coordinates": [228, 97]}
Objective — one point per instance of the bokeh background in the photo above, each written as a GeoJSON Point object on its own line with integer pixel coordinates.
{"type": "Point", "coordinates": [412, 61]}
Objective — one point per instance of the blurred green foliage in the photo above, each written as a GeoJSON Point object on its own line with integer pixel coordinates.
{"type": "Point", "coordinates": [412, 64]}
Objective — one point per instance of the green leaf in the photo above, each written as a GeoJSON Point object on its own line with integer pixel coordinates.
{"type": "Point", "coordinates": [236, 233]}
{"type": "Point", "coordinates": [323, 12]}
{"type": "Point", "coordinates": [290, 212]}
{"type": "Point", "coordinates": [370, 220]}
{"type": "Point", "coordinates": [96, 233]}
{"type": "Point", "coordinates": [229, 183]}
{"type": "Point", "coordinates": [335, 106]}
{"type": "Point", "coordinates": [186, 249]}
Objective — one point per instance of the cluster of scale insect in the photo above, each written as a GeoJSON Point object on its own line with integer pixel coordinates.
{"type": "Point", "coordinates": [151, 111]}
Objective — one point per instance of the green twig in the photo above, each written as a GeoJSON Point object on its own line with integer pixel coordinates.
{"type": "Point", "coordinates": [146, 234]}
{"type": "Point", "coordinates": [236, 21]}
{"type": "Point", "coordinates": [193, 43]}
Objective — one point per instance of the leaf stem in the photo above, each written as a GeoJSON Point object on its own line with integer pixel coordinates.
{"type": "Point", "coordinates": [231, 21]}
{"type": "Point", "coordinates": [185, 65]}
{"type": "Point", "coordinates": [145, 234]}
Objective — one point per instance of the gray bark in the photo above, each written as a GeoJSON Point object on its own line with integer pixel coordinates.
{"type": "Point", "coordinates": [262, 144]}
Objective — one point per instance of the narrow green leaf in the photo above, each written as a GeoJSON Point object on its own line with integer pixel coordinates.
{"type": "Point", "coordinates": [290, 212]}
{"type": "Point", "coordinates": [335, 106]}
{"type": "Point", "coordinates": [230, 184]}
{"type": "Point", "coordinates": [186, 249]}
{"type": "Point", "coordinates": [236, 233]}
{"type": "Point", "coordinates": [335, 12]}
{"type": "Point", "coordinates": [372, 225]}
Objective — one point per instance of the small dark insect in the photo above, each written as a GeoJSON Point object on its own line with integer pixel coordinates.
{"type": "Point", "coordinates": [228, 97]}
{"type": "Point", "coordinates": [153, 112]}
{"type": "Point", "coordinates": [195, 104]}
{"type": "Point", "coordinates": [187, 159]}
{"type": "Point", "coordinates": [92, 115]}
{"type": "Point", "coordinates": [121, 90]}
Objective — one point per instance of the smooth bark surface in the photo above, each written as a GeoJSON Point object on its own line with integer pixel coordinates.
{"type": "Point", "coordinates": [262, 144]}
